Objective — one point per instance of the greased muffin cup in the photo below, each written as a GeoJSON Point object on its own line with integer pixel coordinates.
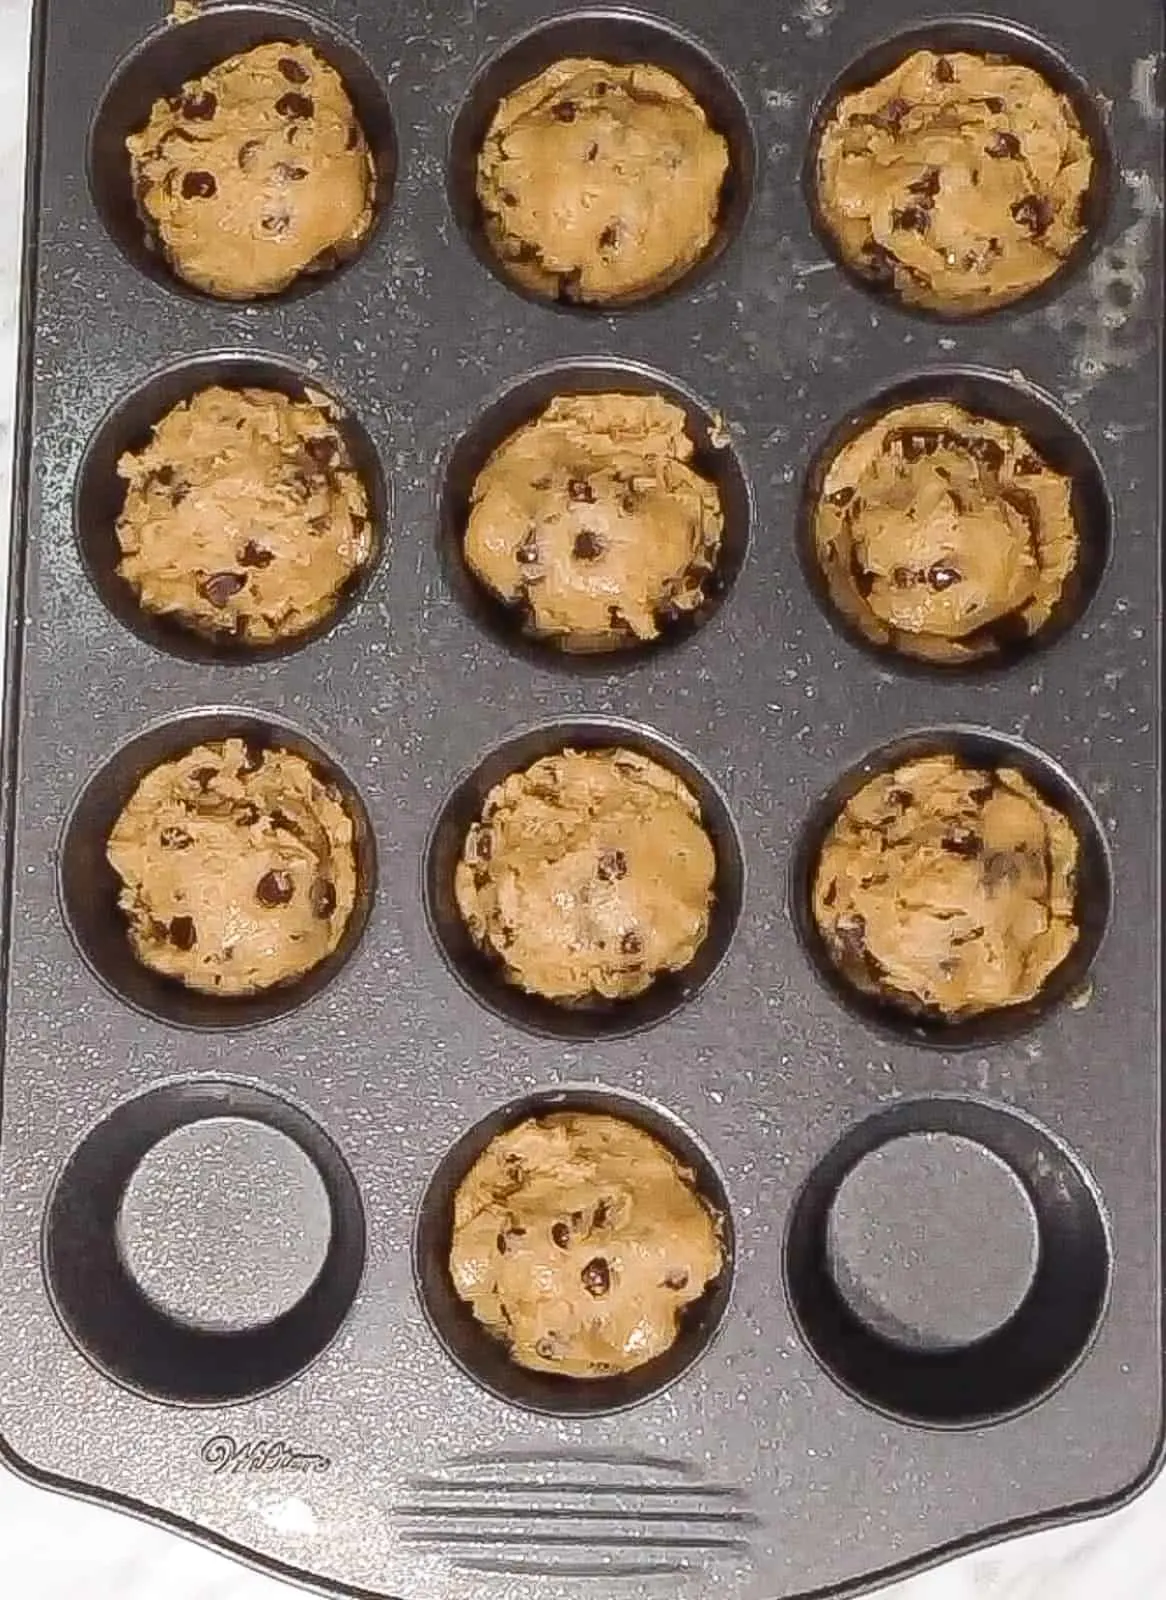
{"type": "Point", "coordinates": [227, 1220]}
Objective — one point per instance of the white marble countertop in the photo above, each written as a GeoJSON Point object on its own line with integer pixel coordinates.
{"type": "Point", "coordinates": [54, 1549]}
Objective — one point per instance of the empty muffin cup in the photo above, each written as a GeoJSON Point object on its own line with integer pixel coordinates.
{"type": "Point", "coordinates": [204, 1243]}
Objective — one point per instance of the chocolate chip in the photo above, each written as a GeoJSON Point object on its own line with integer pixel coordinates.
{"type": "Point", "coordinates": [483, 844]}
{"type": "Point", "coordinates": [1028, 467]}
{"type": "Point", "coordinates": [1003, 146]}
{"type": "Point", "coordinates": [565, 111]}
{"type": "Point", "coordinates": [994, 104]}
{"type": "Point", "coordinates": [294, 71]}
{"type": "Point", "coordinates": [911, 220]}
{"type": "Point", "coordinates": [546, 1349]}
{"type": "Point", "coordinates": [1033, 213]}
{"type": "Point", "coordinates": [199, 186]}
{"type": "Point", "coordinates": [203, 777]}
{"type": "Point", "coordinates": [578, 489]}
{"type": "Point", "coordinates": [275, 223]}
{"type": "Point", "coordinates": [927, 186]}
{"type": "Point", "coordinates": [850, 932]}
{"type": "Point", "coordinates": [840, 497]}
{"type": "Point", "coordinates": [275, 889]}
{"type": "Point", "coordinates": [903, 577]}
{"type": "Point", "coordinates": [944, 71]}
{"type": "Point", "coordinates": [941, 576]}
{"type": "Point", "coordinates": [200, 107]}
{"type": "Point", "coordinates": [878, 264]}
{"type": "Point", "coordinates": [588, 546]}
{"type": "Point", "coordinates": [323, 898]}
{"type": "Point", "coordinates": [961, 842]}
{"type": "Point", "coordinates": [613, 865]}
{"type": "Point", "coordinates": [602, 87]}
{"type": "Point", "coordinates": [892, 114]}
{"type": "Point", "coordinates": [247, 815]}
{"type": "Point", "coordinates": [219, 587]}
{"type": "Point", "coordinates": [323, 449]}
{"type": "Point", "coordinates": [987, 451]}
{"type": "Point", "coordinates": [247, 151]}
{"type": "Point", "coordinates": [601, 1216]}
{"type": "Point", "coordinates": [175, 839]}
{"type": "Point", "coordinates": [561, 1235]}
{"type": "Point", "coordinates": [182, 933]}
{"type": "Point", "coordinates": [631, 945]}
{"type": "Point", "coordinates": [609, 238]}
{"type": "Point", "coordinates": [592, 152]}
{"type": "Point", "coordinates": [290, 174]}
{"type": "Point", "coordinates": [527, 553]}
{"type": "Point", "coordinates": [295, 105]}
{"type": "Point", "coordinates": [255, 555]}
{"type": "Point", "coordinates": [596, 1276]}
{"type": "Point", "coordinates": [501, 1243]}
{"type": "Point", "coordinates": [676, 1280]}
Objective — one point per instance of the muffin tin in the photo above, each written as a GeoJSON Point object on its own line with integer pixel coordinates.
{"type": "Point", "coordinates": [844, 1405]}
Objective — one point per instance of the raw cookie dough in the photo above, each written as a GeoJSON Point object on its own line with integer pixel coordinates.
{"type": "Point", "coordinates": [243, 516]}
{"type": "Point", "coordinates": [588, 875]}
{"type": "Point", "coordinates": [594, 520]}
{"type": "Point", "coordinates": [956, 180]}
{"type": "Point", "coordinates": [238, 866]}
{"type": "Point", "coordinates": [948, 890]}
{"type": "Point", "coordinates": [600, 183]}
{"type": "Point", "coordinates": [255, 173]}
{"type": "Point", "coordinates": [944, 535]}
{"type": "Point", "coordinates": [578, 1241]}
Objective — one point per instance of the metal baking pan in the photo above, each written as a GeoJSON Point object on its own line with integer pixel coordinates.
{"type": "Point", "coordinates": [366, 1440]}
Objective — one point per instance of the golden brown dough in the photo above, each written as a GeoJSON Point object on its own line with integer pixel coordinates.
{"type": "Point", "coordinates": [238, 868]}
{"type": "Point", "coordinates": [243, 516]}
{"type": "Point", "coordinates": [944, 535]}
{"type": "Point", "coordinates": [948, 890]}
{"type": "Point", "coordinates": [578, 1241]}
{"type": "Point", "coordinates": [600, 183]}
{"type": "Point", "coordinates": [256, 172]}
{"type": "Point", "coordinates": [588, 875]}
{"type": "Point", "coordinates": [956, 180]}
{"type": "Point", "coordinates": [593, 518]}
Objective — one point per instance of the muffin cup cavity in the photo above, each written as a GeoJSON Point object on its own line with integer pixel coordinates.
{"type": "Point", "coordinates": [171, 56]}
{"type": "Point", "coordinates": [89, 887]}
{"type": "Point", "coordinates": [977, 36]}
{"type": "Point", "coordinates": [100, 496]}
{"type": "Point", "coordinates": [715, 459]}
{"type": "Point", "coordinates": [480, 973]}
{"type": "Point", "coordinates": [485, 1359]}
{"type": "Point", "coordinates": [974, 747]}
{"type": "Point", "coordinates": [241, 1350]}
{"type": "Point", "coordinates": [625, 38]}
{"type": "Point", "coordinates": [1013, 1207]}
{"type": "Point", "coordinates": [992, 396]}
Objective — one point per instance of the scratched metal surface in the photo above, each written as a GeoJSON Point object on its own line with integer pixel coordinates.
{"type": "Point", "coordinates": [382, 1468]}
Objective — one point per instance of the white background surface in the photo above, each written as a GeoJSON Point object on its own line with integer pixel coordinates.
{"type": "Point", "coordinates": [53, 1549]}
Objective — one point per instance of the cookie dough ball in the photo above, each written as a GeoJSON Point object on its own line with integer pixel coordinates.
{"type": "Point", "coordinates": [944, 535]}
{"type": "Point", "coordinates": [600, 183]}
{"type": "Point", "coordinates": [948, 890]}
{"type": "Point", "coordinates": [578, 1241]}
{"type": "Point", "coordinates": [588, 875]}
{"type": "Point", "coordinates": [255, 173]}
{"type": "Point", "coordinates": [594, 520]}
{"type": "Point", "coordinates": [958, 181]}
{"type": "Point", "coordinates": [238, 868]}
{"type": "Point", "coordinates": [243, 517]}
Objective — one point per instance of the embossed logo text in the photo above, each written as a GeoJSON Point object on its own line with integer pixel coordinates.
{"type": "Point", "coordinates": [224, 1454]}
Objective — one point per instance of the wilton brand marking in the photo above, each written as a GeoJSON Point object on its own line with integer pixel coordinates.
{"type": "Point", "coordinates": [223, 1454]}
